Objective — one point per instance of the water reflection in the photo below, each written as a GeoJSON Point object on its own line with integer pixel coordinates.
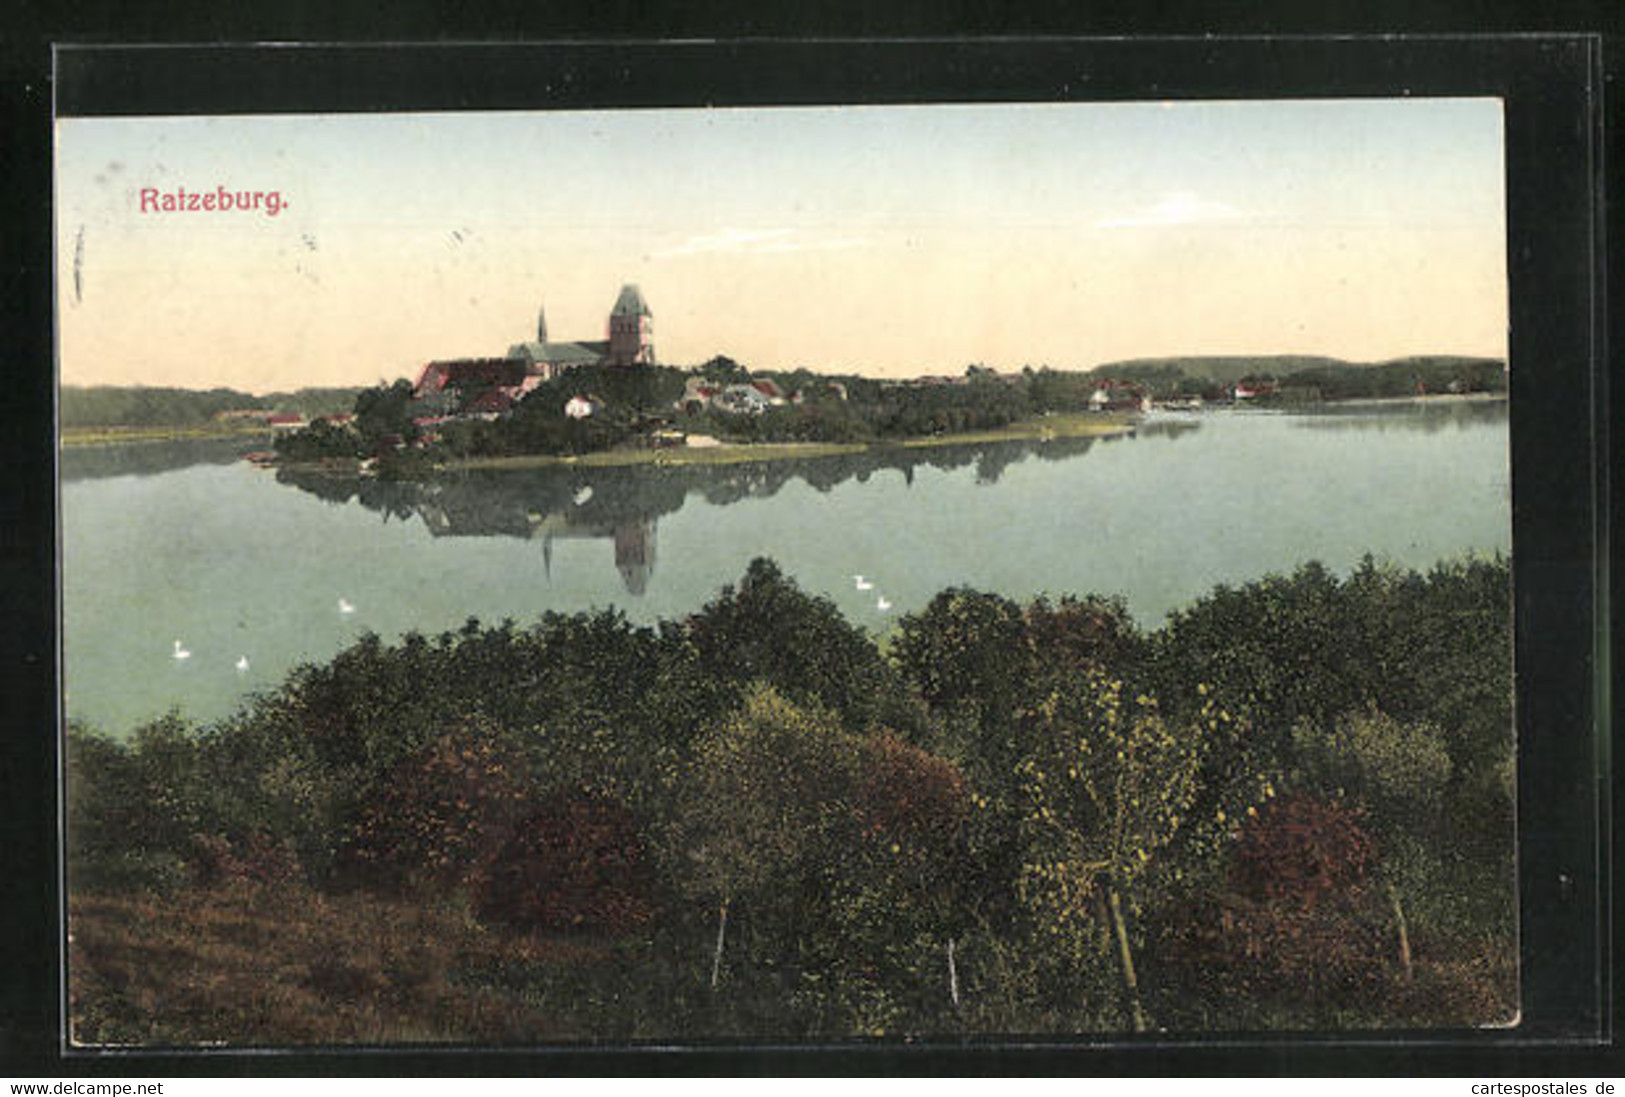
{"type": "Point", "coordinates": [1170, 427]}
{"type": "Point", "coordinates": [623, 505]}
{"type": "Point", "coordinates": [220, 556]}
{"type": "Point", "coordinates": [94, 462]}
{"type": "Point", "coordinates": [1427, 416]}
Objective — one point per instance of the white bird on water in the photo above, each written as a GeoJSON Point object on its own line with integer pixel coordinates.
{"type": "Point", "coordinates": [242, 662]}
{"type": "Point", "coordinates": [345, 606]}
{"type": "Point", "coordinates": [180, 652]}
{"type": "Point", "coordinates": [863, 584]}
{"type": "Point", "coordinates": [882, 605]}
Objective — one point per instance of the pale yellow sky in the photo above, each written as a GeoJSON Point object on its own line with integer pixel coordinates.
{"type": "Point", "coordinates": [892, 241]}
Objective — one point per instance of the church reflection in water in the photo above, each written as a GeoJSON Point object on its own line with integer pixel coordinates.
{"type": "Point", "coordinates": [623, 505]}
{"type": "Point", "coordinates": [633, 539]}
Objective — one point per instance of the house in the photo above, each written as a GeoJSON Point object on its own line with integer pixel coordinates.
{"type": "Point", "coordinates": [491, 404]}
{"type": "Point", "coordinates": [1112, 395]}
{"type": "Point", "coordinates": [1253, 389]}
{"type": "Point", "coordinates": [1181, 403]}
{"type": "Point", "coordinates": [283, 420]}
{"type": "Point", "coordinates": [468, 373]}
{"type": "Point", "coordinates": [748, 397]}
{"type": "Point", "coordinates": [743, 400]}
{"type": "Point", "coordinates": [582, 407]}
{"type": "Point", "coordinates": [770, 390]}
{"type": "Point", "coordinates": [698, 393]}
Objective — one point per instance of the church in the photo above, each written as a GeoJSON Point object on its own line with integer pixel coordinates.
{"type": "Point", "coordinates": [630, 342]}
{"type": "Point", "coordinates": [503, 381]}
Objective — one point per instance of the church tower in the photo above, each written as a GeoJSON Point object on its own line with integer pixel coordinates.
{"type": "Point", "coordinates": [541, 325]}
{"type": "Point", "coordinates": [631, 329]}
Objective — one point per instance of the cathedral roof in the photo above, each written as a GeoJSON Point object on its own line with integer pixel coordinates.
{"type": "Point", "coordinates": [630, 302]}
{"type": "Point", "coordinates": [560, 352]}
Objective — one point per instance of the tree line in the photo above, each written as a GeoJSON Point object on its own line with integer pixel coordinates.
{"type": "Point", "coordinates": [142, 406]}
{"type": "Point", "coordinates": [633, 402]}
{"type": "Point", "coordinates": [1302, 377]}
{"type": "Point", "coordinates": [1290, 805]}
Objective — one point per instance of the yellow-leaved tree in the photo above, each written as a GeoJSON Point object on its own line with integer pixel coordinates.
{"type": "Point", "coordinates": [1106, 784]}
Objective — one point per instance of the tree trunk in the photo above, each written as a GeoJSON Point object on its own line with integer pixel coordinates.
{"type": "Point", "coordinates": [722, 930]}
{"type": "Point", "coordinates": [953, 975]}
{"type": "Point", "coordinates": [1127, 958]}
{"type": "Point", "coordinates": [1404, 933]}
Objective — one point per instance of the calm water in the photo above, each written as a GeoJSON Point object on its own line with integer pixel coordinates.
{"type": "Point", "coordinates": [181, 543]}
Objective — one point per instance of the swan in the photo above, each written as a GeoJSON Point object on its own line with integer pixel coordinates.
{"type": "Point", "coordinates": [582, 495]}
{"type": "Point", "coordinates": [345, 606]}
{"type": "Point", "coordinates": [242, 662]}
{"type": "Point", "coordinates": [180, 652]}
{"type": "Point", "coordinates": [863, 584]}
{"type": "Point", "coordinates": [882, 605]}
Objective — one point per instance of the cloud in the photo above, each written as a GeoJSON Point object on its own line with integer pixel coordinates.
{"type": "Point", "coordinates": [1174, 209]}
{"type": "Point", "coordinates": [754, 242]}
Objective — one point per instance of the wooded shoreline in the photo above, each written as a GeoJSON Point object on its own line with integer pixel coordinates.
{"type": "Point", "coordinates": [1039, 429]}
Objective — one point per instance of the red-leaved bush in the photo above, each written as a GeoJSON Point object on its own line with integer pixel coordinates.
{"type": "Point", "coordinates": [578, 863]}
{"type": "Point", "coordinates": [908, 795]}
{"type": "Point", "coordinates": [1298, 923]}
{"type": "Point", "coordinates": [442, 813]}
{"type": "Point", "coordinates": [1301, 849]}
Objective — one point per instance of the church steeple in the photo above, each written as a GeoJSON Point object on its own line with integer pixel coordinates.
{"type": "Point", "coordinates": [541, 324]}
{"type": "Point", "coordinates": [631, 327]}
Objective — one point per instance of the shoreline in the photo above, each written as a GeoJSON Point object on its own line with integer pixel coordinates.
{"type": "Point", "coordinates": [1073, 425]}
{"type": "Point", "coordinates": [73, 437]}
{"type": "Point", "coordinates": [1062, 425]}
{"type": "Point", "coordinates": [1431, 398]}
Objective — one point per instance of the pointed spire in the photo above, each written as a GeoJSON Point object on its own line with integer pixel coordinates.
{"type": "Point", "coordinates": [541, 324]}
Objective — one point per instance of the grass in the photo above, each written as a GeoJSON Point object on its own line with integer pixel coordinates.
{"type": "Point", "coordinates": [1066, 425]}
{"type": "Point", "coordinates": [259, 965]}
{"type": "Point", "coordinates": [247, 965]}
{"type": "Point", "coordinates": [101, 436]}
{"type": "Point", "coordinates": [1054, 426]}
{"type": "Point", "coordinates": [677, 455]}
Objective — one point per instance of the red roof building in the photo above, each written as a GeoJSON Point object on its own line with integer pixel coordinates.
{"type": "Point", "coordinates": [462, 372]}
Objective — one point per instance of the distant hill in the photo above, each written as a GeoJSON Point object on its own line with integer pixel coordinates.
{"type": "Point", "coordinates": [1334, 377]}
{"type": "Point", "coordinates": [1220, 369]}
{"type": "Point", "coordinates": [141, 406]}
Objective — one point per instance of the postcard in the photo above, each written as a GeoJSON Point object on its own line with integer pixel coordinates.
{"type": "Point", "coordinates": [787, 574]}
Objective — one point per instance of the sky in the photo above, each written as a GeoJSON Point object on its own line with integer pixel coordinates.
{"type": "Point", "coordinates": [885, 240]}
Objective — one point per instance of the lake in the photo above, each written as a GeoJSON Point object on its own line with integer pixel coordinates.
{"type": "Point", "coordinates": [166, 543]}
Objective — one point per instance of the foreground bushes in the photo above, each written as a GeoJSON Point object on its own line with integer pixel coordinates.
{"type": "Point", "coordinates": [578, 863]}
{"type": "Point", "coordinates": [757, 822]}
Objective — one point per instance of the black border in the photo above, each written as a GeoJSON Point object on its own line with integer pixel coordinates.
{"type": "Point", "coordinates": [1553, 89]}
